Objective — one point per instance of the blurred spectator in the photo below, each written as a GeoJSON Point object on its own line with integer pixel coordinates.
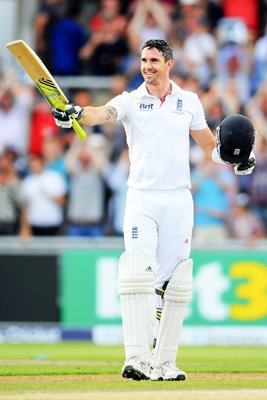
{"type": "Point", "coordinates": [185, 11]}
{"type": "Point", "coordinates": [42, 125]}
{"type": "Point", "coordinates": [150, 20]}
{"type": "Point", "coordinates": [9, 196]}
{"type": "Point", "coordinates": [199, 52]}
{"type": "Point", "coordinates": [115, 175]}
{"type": "Point", "coordinates": [107, 45]}
{"type": "Point", "coordinates": [256, 109]}
{"type": "Point", "coordinates": [214, 12]}
{"type": "Point", "coordinates": [259, 70]}
{"type": "Point", "coordinates": [249, 14]}
{"type": "Point", "coordinates": [169, 5]}
{"type": "Point", "coordinates": [15, 109]}
{"type": "Point", "coordinates": [85, 209]}
{"type": "Point", "coordinates": [219, 100]}
{"type": "Point", "coordinates": [233, 71]}
{"type": "Point", "coordinates": [53, 156]}
{"type": "Point", "coordinates": [243, 223]}
{"type": "Point", "coordinates": [43, 196]}
{"type": "Point", "coordinates": [131, 63]}
{"type": "Point", "coordinates": [257, 182]}
{"type": "Point", "coordinates": [57, 28]}
{"type": "Point", "coordinates": [50, 11]}
{"type": "Point", "coordinates": [187, 82]}
{"type": "Point", "coordinates": [115, 133]}
{"type": "Point", "coordinates": [192, 7]}
{"type": "Point", "coordinates": [176, 40]}
{"type": "Point", "coordinates": [213, 186]}
{"type": "Point", "coordinates": [215, 113]}
{"type": "Point", "coordinates": [214, 105]}
{"type": "Point", "coordinates": [66, 33]}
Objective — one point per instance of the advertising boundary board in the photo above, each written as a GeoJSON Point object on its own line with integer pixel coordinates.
{"type": "Point", "coordinates": [64, 289]}
{"type": "Point", "coordinates": [229, 303]}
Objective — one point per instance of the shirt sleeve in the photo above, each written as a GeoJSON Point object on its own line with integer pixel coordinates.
{"type": "Point", "coordinates": [198, 120]}
{"type": "Point", "coordinates": [120, 103]}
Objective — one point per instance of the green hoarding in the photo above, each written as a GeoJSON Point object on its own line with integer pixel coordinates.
{"type": "Point", "coordinates": [230, 288]}
{"type": "Point", "coordinates": [88, 288]}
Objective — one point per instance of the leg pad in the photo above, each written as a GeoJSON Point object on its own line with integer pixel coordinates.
{"type": "Point", "coordinates": [136, 289]}
{"type": "Point", "coordinates": [136, 273]}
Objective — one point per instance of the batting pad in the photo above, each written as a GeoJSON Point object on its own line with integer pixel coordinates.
{"type": "Point", "coordinates": [178, 293]}
{"type": "Point", "coordinates": [136, 289]}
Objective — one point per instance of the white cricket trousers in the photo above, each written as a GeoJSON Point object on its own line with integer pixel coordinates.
{"type": "Point", "coordinates": [159, 224]}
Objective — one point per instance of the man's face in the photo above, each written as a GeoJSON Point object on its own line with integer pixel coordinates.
{"type": "Point", "coordinates": [154, 68]}
{"type": "Point", "coordinates": [4, 173]}
{"type": "Point", "coordinates": [35, 164]}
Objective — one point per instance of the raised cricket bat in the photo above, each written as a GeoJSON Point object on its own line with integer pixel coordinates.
{"type": "Point", "coordinates": [42, 78]}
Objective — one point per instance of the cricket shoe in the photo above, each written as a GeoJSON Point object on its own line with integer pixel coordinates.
{"type": "Point", "coordinates": [136, 370]}
{"type": "Point", "coordinates": [167, 372]}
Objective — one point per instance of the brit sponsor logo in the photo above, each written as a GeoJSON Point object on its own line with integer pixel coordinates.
{"type": "Point", "coordinates": [146, 106]}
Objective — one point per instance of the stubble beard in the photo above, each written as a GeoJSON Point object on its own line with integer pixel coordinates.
{"type": "Point", "coordinates": [151, 80]}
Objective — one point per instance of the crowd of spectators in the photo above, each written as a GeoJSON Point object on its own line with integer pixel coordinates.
{"type": "Point", "coordinates": [52, 183]}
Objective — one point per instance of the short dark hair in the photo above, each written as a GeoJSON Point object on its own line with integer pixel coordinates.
{"type": "Point", "coordinates": [161, 46]}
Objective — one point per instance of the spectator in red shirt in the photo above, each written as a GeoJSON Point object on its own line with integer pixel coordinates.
{"type": "Point", "coordinates": [42, 125]}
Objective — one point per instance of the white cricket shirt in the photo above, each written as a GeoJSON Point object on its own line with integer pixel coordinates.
{"type": "Point", "coordinates": [157, 133]}
{"type": "Point", "coordinates": [39, 191]}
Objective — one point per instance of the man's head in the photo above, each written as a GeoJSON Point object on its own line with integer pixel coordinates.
{"type": "Point", "coordinates": [7, 100]}
{"type": "Point", "coordinates": [36, 163]}
{"type": "Point", "coordinates": [161, 46]}
{"type": "Point", "coordinates": [156, 62]}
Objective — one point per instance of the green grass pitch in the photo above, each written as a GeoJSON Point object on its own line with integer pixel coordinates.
{"type": "Point", "coordinates": [82, 370]}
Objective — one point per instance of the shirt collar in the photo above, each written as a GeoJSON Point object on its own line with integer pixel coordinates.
{"type": "Point", "coordinates": [142, 90]}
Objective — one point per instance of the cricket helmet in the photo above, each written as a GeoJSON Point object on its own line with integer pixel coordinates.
{"type": "Point", "coordinates": [235, 138]}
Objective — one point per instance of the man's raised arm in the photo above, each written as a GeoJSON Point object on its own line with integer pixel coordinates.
{"type": "Point", "coordinates": [88, 116]}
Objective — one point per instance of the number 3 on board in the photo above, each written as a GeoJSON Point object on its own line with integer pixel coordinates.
{"type": "Point", "coordinates": [253, 291]}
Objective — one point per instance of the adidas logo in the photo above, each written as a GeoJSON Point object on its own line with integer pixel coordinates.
{"type": "Point", "coordinates": [148, 269]}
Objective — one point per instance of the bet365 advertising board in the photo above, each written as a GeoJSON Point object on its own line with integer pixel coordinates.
{"type": "Point", "coordinates": [230, 294]}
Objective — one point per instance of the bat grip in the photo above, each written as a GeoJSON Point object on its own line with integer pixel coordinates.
{"type": "Point", "coordinates": [78, 129]}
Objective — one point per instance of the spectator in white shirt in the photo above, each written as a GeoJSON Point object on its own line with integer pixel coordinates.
{"type": "Point", "coordinates": [43, 195]}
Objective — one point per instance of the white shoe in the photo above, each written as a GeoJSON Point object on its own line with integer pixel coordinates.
{"type": "Point", "coordinates": [167, 372]}
{"type": "Point", "coordinates": [136, 370]}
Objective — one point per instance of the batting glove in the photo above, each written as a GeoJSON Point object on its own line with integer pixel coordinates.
{"type": "Point", "coordinates": [64, 119]}
{"type": "Point", "coordinates": [247, 167]}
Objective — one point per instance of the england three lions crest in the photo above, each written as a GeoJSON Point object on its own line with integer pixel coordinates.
{"type": "Point", "coordinates": [179, 105]}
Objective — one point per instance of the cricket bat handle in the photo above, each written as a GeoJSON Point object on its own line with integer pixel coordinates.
{"type": "Point", "coordinates": [78, 129]}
